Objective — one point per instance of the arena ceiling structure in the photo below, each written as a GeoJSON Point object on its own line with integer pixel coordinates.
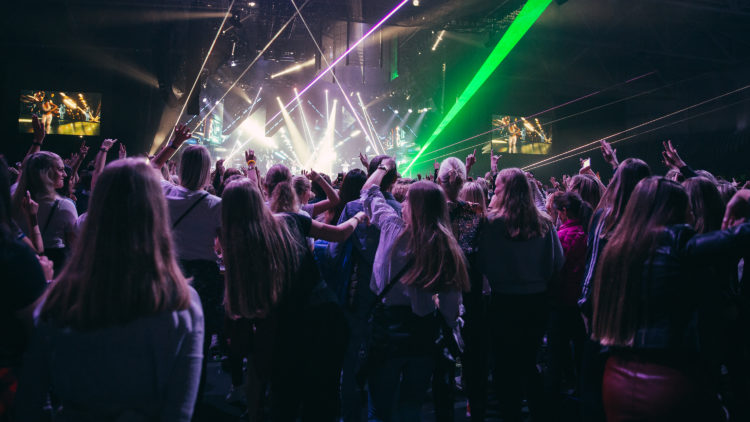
{"type": "Point", "coordinates": [312, 84]}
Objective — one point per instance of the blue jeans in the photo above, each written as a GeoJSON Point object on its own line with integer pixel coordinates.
{"type": "Point", "coordinates": [397, 388]}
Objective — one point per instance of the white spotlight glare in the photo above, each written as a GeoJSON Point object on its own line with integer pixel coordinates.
{"type": "Point", "coordinates": [410, 110]}
{"type": "Point", "coordinates": [395, 111]}
{"type": "Point", "coordinates": [415, 3]}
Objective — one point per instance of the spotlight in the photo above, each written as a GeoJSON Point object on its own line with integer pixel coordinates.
{"type": "Point", "coordinates": [415, 3]}
{"type": "Point", "coordinates": [294, 68]}
{"type": "Point", "coordinates": [410, 110]}
{"type": "Point", "coordinates": [395, 111]}
{"type": "Point", "coordinates": [251, 4]}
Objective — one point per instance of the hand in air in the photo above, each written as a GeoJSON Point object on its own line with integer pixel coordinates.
{"type": "Point", "coordinates": [609, 154]}
{"type": "Point", "coordinates": [312, 175]}
{"type": "Point", "coordinates": [471, 159]}
{"type": "Point", "coordinates": [38, 128]}
{"type": "Point", "coordinates": [493, 160]}
{"type": "Point", "coordinates": [108, 143]}
{"type": "Point", "coordinates": [83, 150]}
{"type": "Point", "coordinates": [671, 157]}
{"type": "Point", "coordinates": [123, 152]}
{"type": "Point", "coordinates": [436, 165]}
{"type": "Point", "coordinates": [181, 134]}
{"type": "Point", "coordinates": [249, 155]}
{"type": "Point", "coordinates": [363, 159]}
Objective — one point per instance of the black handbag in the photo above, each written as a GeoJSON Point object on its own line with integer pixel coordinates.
{"type": "Point", "coordinates": [397, 331]}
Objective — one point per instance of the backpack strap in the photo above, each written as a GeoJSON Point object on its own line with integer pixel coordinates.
{"type": "Point", "coordinates": [49, 217]}
{"type": "Point", "coordinates": [189, 209]}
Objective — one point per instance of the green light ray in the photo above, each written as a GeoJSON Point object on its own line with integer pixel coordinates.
{"type": "Point", "coordinates": [526, 17]}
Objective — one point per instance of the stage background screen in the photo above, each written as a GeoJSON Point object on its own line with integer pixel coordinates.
{"type": "Point", "coordinates": [61, 112]}
{"type": "Point", "coordinates": [517, 135]}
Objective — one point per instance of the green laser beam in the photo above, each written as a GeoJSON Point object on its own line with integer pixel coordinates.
{"type": "Point", "coordinates": [526, 17]}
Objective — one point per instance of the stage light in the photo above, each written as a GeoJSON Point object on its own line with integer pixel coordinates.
{"type": "Point", "coordinates": [294, 68]}
{"type": "Point", "coordinates": [521, 24]}
{"type": "Point", "coordinates": [415, 3]}
{"type": "Point", "coordinates": [355, 133]}
{"type": "Point", "coordinates": [437, 41]}
{"type": "Point", "coordinates": [205, 100]}
{"type": "Point", "coordinates": [395, 111]}
{"type": "Point", "coordinates": [410, 110]}
{"type": "Point", "coordinates": [251, 4]}
{"type": "Point", "coordinates": [300, 146]}
{"type": "Point", "coordinates": [349, 50]}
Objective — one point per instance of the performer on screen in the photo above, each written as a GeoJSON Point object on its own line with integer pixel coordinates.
{"type": "Point", "coordinates": [49, 110]}
{"type": "Point", "coordinates": [513, 138]}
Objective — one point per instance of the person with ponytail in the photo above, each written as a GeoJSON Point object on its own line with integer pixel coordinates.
{"type": "Point", "coordinates": [299, 334]}
{"type": "Point", "coordinates": [520, 254]}
{"type": "Point", "coordinates": [408, 274]}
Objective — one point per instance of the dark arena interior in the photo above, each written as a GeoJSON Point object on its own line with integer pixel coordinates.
{"type": "Point", "coordinates": [383, 210]}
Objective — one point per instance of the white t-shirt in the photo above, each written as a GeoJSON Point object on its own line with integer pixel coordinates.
{"type": "Point", "coordinates": [194, 235]}
{"type": "Point", "coordinates": [63, 221]}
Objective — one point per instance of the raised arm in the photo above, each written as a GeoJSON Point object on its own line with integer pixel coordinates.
{"type": "Point", "coordinates": [252, 169]}
{"type": "Point", "coordinates": [39, 134]}
{"type": "Point", "coordinates": [332, 197]}
{"type": "Point", "coordinates": [79, 158]}
{"type": "Point", "coordinates": [338, 233]}
{"type": "Point", "coordinates": [101, 159]}
{"type": "Point", "coordinates": [181, 134]}
{"type": "Point", "coordinates": [471, 159]}
{"type": "Point", "coordinates": [609, 154]}
{"type": "Point", "coordinates": [672, 160]}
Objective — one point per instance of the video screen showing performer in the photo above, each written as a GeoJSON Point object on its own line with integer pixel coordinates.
{"type": "Point", "coordinates": [518, 135]}
{"type": "Point", "coordinates": [61, 113]}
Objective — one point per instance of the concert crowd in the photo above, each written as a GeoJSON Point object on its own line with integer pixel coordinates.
{"type": "Point", "coordinates": [369, 296]}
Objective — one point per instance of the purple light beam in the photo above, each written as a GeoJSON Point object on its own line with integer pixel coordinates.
{"type": "Point", "coordinates": [346, 53]}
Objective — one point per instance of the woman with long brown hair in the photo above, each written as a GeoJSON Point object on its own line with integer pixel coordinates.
{"type": "Point", "coordinates": [271, 278]}
{"type": "Point", "coordinates": [647, 297]}
{"type": "Point", "coordinates": [120, 331]}
{"type": "Point", "coordinates": [605, 219]}
{"type": "Point", "coordinates": [417, 257]}
{"type": "Point", "coordinates": [519, 253]}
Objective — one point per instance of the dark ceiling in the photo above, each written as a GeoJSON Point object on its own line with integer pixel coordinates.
{"type": "Point", "coordinates": [690, 49]}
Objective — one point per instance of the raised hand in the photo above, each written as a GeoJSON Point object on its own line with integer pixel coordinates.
{"type": "Point", "coordinates": [585, 169]}
{"type": "Point", "coordinates": [312, 175]}
{"type": "Point", "coordinates": [108, 143]}
{"type": "Point", "coordinates": [436, 165]}
{"type": "Point", "coordinates": [671, 157]}
{"type": "Point", "coordinates": [29, 207]}
{"type": "Point", "coordinates": [181, 134]}
{"type": "Point", "coordinates": [363, 159]}
{"type": "Point", "coordinates": [83, 150]}
{"type": "Point", "coordinates": [250, 157]}
{"type": "Point", "coordinates": [609, 154]}
{"type": "Point", "coordinates": [389, 163]}
{"type": "Point", "coordinates": [38, 128]}
{"type": "Point", "coordinates": [471, 159]}
{"type": "Point", "coordinates": [493, 160]}
{"type": "Point", "coordinates": [554, 182]}
{"type": "Point", "coordinates": [122, 153]}
{"type": "Point", "coordinates": [220, 166]}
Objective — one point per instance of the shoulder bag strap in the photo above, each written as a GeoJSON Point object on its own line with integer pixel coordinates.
{"type": "Point", "coordinates": [188, 210]}
{"type": "Point", "coordinates": [391, 284]}
{"type": "Point", "coordinates": [49, 217]}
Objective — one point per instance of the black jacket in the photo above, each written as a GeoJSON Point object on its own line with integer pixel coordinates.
{"type": "Point", "coordinates": [675, 288]}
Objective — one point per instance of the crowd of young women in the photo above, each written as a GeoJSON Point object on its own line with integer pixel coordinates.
{"type": "Point", "coordinates": [375, 291]}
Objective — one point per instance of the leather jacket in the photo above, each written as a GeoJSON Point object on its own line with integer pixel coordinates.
{"type": "Point", "coordinates": [673, 291]}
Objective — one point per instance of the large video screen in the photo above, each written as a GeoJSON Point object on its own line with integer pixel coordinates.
{"type": "Point", "coordinates": [61, 113]}
{"type": "Point", "coordinates": [518, 135]}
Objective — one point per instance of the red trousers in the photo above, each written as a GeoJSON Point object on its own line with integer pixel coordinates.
{"type": "Point", "coordinates": [636, 389]}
